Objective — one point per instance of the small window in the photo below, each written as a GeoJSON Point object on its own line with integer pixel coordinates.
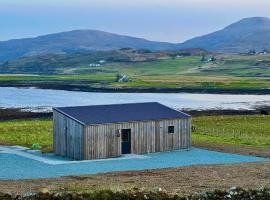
{"type": "Point", "coordinates": [170, 129]}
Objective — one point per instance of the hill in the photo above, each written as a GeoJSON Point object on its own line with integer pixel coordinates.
{"type": "Point", "coordinates": [74, 41]}
{"type": "Point", "coordinates": [67, 63]}
{"type": "Point", "coordinates": [240, 37]}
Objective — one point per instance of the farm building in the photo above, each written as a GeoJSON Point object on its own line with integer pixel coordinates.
{"type": "Point", "coordinates": [106, 131]}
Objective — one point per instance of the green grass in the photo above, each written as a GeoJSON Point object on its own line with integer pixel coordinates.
{"type": "Point", "coordinates": [160, 67]}
{"type": "Point", "coordinates": [228, 72]}
{"type": "Point", "coordinates": [235, 65]}
{"type": "Point", "coordinates": [85, 77]}
{"type": "Point", "coordinates": [195, 82]}
{"type": "Point", "coordinates": [249, 130]}
{"type": "Point", "coordinates": [27, 132]}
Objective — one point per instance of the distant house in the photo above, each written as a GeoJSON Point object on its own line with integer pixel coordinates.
{"type": "Point", "coordinates": [122, 78]}
{"type": "Point", "coordinates": [97, 64]}
{"type": "Point", "coordinates": [94, 65]}
{"type": "Point", "coordinates": [102, 61]}
{"type": "Point", "coordinates": [262, 53]}
{"type": "Point", "coordinates": [105, 131]}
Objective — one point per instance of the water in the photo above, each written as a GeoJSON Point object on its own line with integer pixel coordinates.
{"type": "Point", "coordinates": [17, 167]}
{"type": "Point", "coordinates": [45, 99]}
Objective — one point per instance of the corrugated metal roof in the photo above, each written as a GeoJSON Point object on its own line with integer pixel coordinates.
{"type": "Point", "coordinates": [104, 114]}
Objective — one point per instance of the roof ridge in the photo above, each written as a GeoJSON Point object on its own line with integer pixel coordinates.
{"type": "Point", "coordinates": [120, 113]}
{"type": "Point", "coordinates": [113, 104]}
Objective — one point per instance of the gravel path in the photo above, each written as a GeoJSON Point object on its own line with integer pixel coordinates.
{"type": "Point", "coordinates": [18, 164]}
{"type": "Point", "coordinates": [174, 180]}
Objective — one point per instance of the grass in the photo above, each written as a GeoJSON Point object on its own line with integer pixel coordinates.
{"type": "Point", "coordinates": [235, 65]}
{"type": "Point", "coordinates": [26, 133]}
{"type": "Point", "coordinates": [227, 72]}
{"type": "Point", "coordinates": [195, 82]}
{"type": "Point", "coordinates": [83, 77]}
{"type": "Point", "coordinates": [154, 81]}
{"type": "Point", "coordinates": [249, 130]}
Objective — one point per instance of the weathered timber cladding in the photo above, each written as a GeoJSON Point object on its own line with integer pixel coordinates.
{"type": "Point", "coordinates": [101, 142]}
{"type": "Point", "coordinates": [81, 142]}
{"type": "Point", "coordinates": [151, 136]}
{"type": "Point", "coordinates": [179, 140]}
{"type": "Point", "coordinates": [68, 137]}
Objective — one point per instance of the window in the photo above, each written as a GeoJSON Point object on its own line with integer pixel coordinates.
{"type": "Point", "coordinates": [171, 129]}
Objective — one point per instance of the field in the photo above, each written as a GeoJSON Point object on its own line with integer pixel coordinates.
{"type": "Point", "coordinates": [26, 133]}
{"type": "Point", "coordinates": [189, 72]}
{"type": "Point", "coordinates": [250, 130]}
{"type": "Point", "coordinates": [237, 134]}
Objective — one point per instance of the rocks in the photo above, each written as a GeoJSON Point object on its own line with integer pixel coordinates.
{"type": "Point", "coordinates": [234, 193]}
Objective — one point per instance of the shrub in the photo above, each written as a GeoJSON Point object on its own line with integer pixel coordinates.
{"type": "Point", "coordinates": [234, 193]}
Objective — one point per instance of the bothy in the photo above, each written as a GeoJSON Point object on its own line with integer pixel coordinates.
{"type": "Point", "coordinates": [106, 131]}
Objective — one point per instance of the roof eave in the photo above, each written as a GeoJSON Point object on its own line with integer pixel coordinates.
{"type": "Point", "coordinates": [60, 111]}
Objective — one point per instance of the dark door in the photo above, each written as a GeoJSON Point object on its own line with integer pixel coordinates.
{"type": "Point", "coordinates": [126, 141]}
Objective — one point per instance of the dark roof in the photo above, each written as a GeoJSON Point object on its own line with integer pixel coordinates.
{"type": "Point", "coordinates": [104, 114]}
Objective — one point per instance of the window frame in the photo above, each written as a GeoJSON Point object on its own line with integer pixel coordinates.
{"type": "Point", "coordinates": [171, 129]}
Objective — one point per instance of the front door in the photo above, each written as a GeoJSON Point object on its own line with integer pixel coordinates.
{"type": "Point", "coordinates": [126, 141]}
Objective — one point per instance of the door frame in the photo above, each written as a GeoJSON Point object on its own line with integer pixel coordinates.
{"type": "Point", "coordinates": [127, 142]}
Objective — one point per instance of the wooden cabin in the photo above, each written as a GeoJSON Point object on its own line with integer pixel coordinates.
{"type": "Point", "coordinates": [106, 131]}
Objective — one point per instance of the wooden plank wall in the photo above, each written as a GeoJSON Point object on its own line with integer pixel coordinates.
{"type": "Point", "coordinates": [143, 137]}
{"type": "Point", "coordinates": [68, 137]}
{"type": "Point", "coordinates": [151, 136]}
{"type": "Point", "coordinates": [101, 142]}
{"type": "Point", "coordinates": [181, 139]}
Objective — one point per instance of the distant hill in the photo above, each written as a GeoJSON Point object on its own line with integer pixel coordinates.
{"type": "Point", "coordinates": [74, 41]}
{"type": "Point", "coordinates": [242, 36]}
{"type": "Point", "coordinates": [71, 62]}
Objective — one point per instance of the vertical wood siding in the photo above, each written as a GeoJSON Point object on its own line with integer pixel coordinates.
{"type": "Point", "coordinates": [80, 142]}
{"type": "Point", "coordinates": [101, 142]}
{"type": "Point", "coordinates": [146, 137]}
{"type": "Point", "coordinates": [68, 137]}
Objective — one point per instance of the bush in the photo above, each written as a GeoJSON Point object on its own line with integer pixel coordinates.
{"type": "Point", "coordinates": [233, 194]}
{"type": "Point", "coordinates": [5, 196]}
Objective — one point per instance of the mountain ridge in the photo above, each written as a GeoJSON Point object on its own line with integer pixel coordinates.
{"type": "Point", "coordinates": [74, 41]}
{"type": "Point", "coordinates": [239, 37]}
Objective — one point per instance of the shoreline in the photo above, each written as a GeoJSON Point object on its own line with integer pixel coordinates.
{"type": "Point", "coordinates": [7, 114]}
{"type": "Point", "coordinates": [85, 86]}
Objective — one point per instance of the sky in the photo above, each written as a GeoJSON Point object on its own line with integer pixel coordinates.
{"type": "Point", "coordinates": [159, 20]}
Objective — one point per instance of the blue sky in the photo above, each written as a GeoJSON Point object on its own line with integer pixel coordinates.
{"type": "Point", "coordinates": [161, 20]}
